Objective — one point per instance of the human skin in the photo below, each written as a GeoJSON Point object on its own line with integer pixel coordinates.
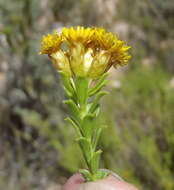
{"type": "Point", "coordinates": [77, 182]}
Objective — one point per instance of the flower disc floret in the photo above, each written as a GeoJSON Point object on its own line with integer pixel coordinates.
{"type": "Point", "coordinates": [78, 35]}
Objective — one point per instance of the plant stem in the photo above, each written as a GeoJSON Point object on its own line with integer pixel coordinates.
{"type": "Point", "coordinates": [84, 112]}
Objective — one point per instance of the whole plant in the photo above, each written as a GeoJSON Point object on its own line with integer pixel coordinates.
{"type": "Point", "coordinates": [83, 57]}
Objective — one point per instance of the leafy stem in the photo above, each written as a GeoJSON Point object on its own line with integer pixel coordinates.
{"type": "Point", "coordinates": [84, 105]}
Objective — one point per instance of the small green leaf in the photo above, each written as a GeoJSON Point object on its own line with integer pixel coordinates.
{"type": "Point", "coordinates": [67, 92]}
{"type": "Point", "coordinates": [87, 125]}
{"type": "Point", "coordinates": [74, 109]}
{"type": "Point", "coordinates": [86, 174]}
{"type": "Point", "coordinates": [96, 137]}
{"type": "Point", "coordinates": [95, 161]}
{"type": "Point", "coordinates": [81, 84]}
{"type": "Point", "coordinates": [100, 84]}
{"type": "Point", "coordinates": [67, 84]}
{"type": "Point", "coordinates": [96, 101]}
{"type": "Point", "coordinates": [76, 127]}
{"type": "Point", "coordinates": [85, 144]}
{"type": "Point", "coordinates": [102, 174]}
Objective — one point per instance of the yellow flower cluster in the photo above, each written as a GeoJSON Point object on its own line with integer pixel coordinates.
{"type": "Point", "coordinates": [51, 43]}
{"type": "Point", "coordinates": [84, 52]}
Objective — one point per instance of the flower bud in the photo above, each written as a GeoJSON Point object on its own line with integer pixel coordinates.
{"type": "Point", "coordinates": [81, 60]}
{"type": "Point", "coordinates": [76, 60]}
{"type": "Point", "coordinates": [61, 62]}
{"type": "Point", "coordinates": [99, 64]}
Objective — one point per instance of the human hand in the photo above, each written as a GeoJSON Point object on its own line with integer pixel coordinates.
{"type": "Point", "coordinates": [77, 182]}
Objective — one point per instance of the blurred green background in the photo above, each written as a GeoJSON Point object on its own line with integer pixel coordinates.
{"type": "Point", "coordinates": [37, 147]}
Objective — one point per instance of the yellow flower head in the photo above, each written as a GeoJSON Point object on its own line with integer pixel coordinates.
{"type": "Point", "coordinates": [50, 43]}
{"type": "Point", "coordinates": [89, 52]}
{"type": "Point", "coordinates": [77, 35]}
{"type": "Point", "coordinates": [116, 48]}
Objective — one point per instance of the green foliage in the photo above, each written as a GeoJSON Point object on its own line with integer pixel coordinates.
{"type": "Point", "coordinates": [83, 102]}
{"type": "Point", "coordinates": [141, 123]}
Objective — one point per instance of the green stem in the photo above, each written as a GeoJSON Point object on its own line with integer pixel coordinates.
{"type": "Point", "coordinates": [82, 94]}
{"type": "Point", "coordinates": [84, 111]}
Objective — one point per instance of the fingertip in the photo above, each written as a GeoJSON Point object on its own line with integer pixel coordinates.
{"type": "Point", "coordinates": [118, 184]}
{"type": "Point", "coordinates": [74, 181]}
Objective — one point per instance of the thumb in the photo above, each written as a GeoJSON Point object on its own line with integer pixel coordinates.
{"type": "Point", "coordinates": [95, 186]}
{"type": "Point", "coordinates": [73, 182]}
